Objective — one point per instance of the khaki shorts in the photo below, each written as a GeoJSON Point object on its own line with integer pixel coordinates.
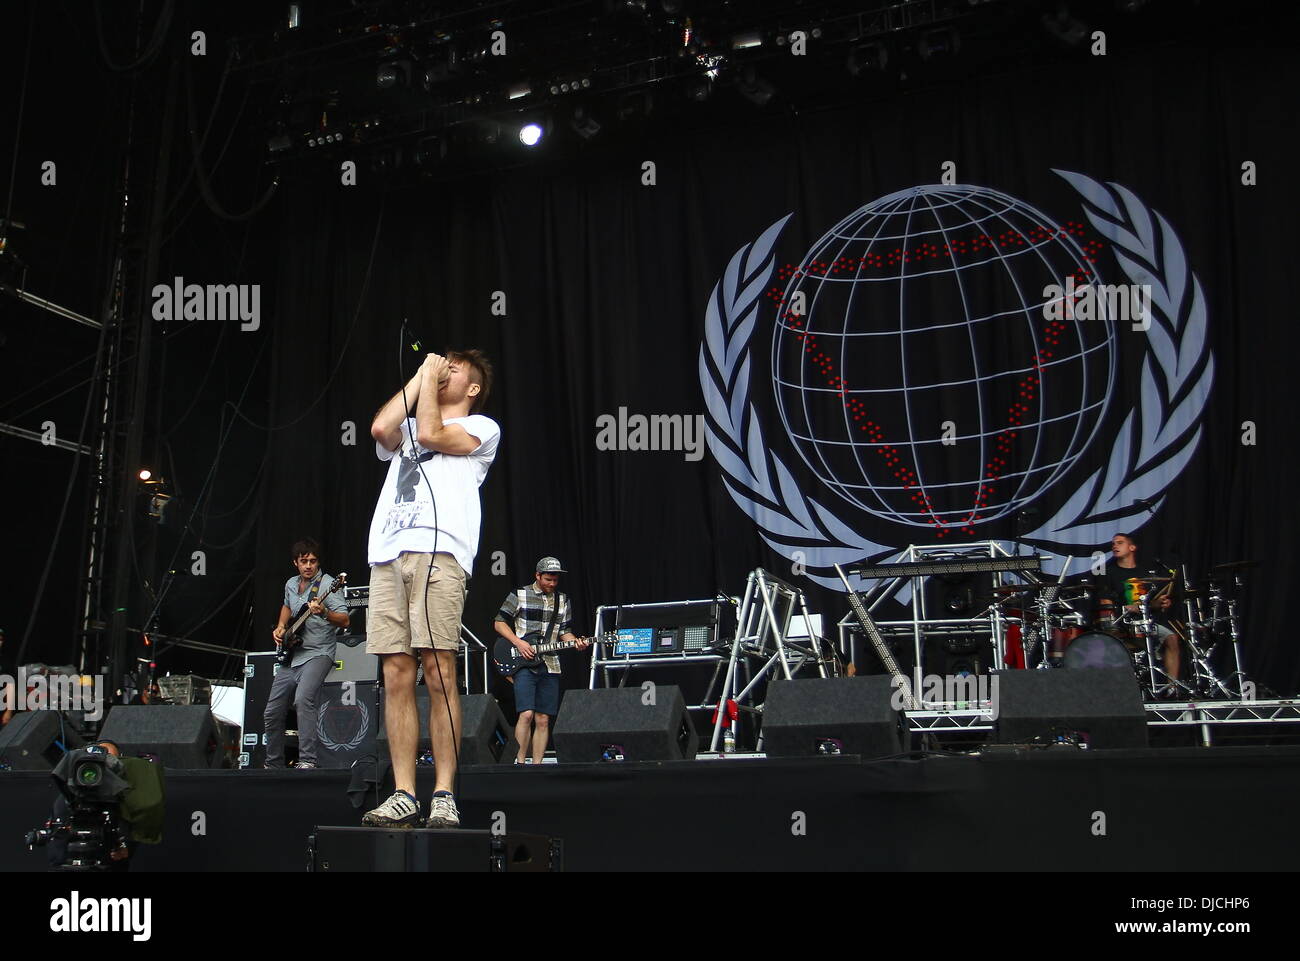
{"type": "Point", "coordinates": [399, 593]}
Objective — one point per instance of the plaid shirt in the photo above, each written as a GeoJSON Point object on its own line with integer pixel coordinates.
{"type": "Point", "coordinates": [528, 610]}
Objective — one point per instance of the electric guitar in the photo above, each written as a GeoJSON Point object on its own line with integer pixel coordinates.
{"type": "Point", "coordinates": [293, 633]}
{"type": "Point", "coordinates": [510, 662]}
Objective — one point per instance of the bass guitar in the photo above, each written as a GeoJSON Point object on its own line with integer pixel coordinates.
{"type": "Point", "coordinates": [293, 633]}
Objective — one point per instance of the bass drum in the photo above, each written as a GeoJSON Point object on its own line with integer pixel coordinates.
{"type": "Point", "coordinates": [1096, 649]}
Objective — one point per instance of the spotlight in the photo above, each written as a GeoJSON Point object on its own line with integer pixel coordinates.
{"type": "Point", "coordinates": [393, 73]}
{"type": "Point", "coordinates": [754, 88]}
{"type": "Point", "coordinates": [699, 89]}
{"type": "Point", "coordinates": [518, 91]}
{"type": "Point", "coordinates": [145, 473]}
{"type": "Point", "coordinates": [867, 57]}
{"type": "Point", "coordinates": [938, 43]}
{"type": "Point", "coordinates": [530, 134]}
{"type": "Point", "coordinates": [584, 124]}
{"type": "Point", "coordinates": [746, 40]}
{"type": "Point", "coordinates": [1064, 26]}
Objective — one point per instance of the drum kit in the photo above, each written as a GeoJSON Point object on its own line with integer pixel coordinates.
{"type": "Point", "coordinates": [1077, 625]}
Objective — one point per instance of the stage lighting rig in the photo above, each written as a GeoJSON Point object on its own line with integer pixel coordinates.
{"type": "Point", "coordinates": [531, 134]}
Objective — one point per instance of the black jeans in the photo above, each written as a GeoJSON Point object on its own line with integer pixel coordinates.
{"type": "Point", "coordinates": [301, 684]}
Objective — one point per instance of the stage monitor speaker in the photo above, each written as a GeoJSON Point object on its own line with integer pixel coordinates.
{"type": "Point", "coordinates": [335, 849]}
{"type": "Point", "coordinates": [1104, 704]}
{"type": "Point", "coordinates": [37, 740]}
{"type": "Point", "coordinates": [601, 724]}
{"type": "Point", "coordinates": [183, 737]}
{"type": "Point", "coordinates": [485, 737]}
{"type": "Point", "coordinates": [823, 715]}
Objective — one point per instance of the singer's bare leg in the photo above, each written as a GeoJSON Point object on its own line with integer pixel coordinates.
{"type": "Point", "coordinates": [444, 699]}
{"type": "Point", "coordinates": [400, 719]}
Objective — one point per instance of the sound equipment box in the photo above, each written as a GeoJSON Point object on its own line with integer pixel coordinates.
{"type": "Point", "coordinates": [618, 723]}
{"type": "Point", "coordinates": [830, 715]}
{"type": "Point", "coordinates": [182, 736]}
{"type": "Point", "coordinates": [335, 849]}
{"type": "Point", "coordinates": [37, 740]}
{"type": "Point", "coordinates": [1102, 704]}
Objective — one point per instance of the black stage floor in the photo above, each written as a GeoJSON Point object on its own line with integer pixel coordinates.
{"type": "Point", "coordinates": [1190, 809]}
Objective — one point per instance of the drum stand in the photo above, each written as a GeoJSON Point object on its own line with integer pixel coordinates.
{"type": "Point", "coordinates": [1238, 677]}
{"type": "Point", "coordinates": [1146, 626]}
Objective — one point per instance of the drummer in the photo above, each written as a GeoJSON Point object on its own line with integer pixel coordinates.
{"type": "Point", "coordinates": [1122, 583]}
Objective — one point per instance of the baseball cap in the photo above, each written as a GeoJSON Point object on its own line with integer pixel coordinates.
{"type": "Point", "coordinates": [549, 565]}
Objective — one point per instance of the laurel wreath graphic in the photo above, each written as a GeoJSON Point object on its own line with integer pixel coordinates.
{"type": "Point", "coordinates": [1175, 389]}
{"type": "Point", "coordinates": [323, 730]}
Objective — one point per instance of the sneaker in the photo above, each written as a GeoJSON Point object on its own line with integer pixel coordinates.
{"type": "Point", "coordinates": [442, 812]}
{"type": "Point", "coordinates": [399, 811]}
{"type": "Point", "coordinates": [305, 766]}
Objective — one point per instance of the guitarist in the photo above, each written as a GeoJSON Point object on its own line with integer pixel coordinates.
{"type": "Point", "coordinates": [1115, 585]}
{"type": "Point", "coordinates": [301, 679]}
{"type": "Point", "coordinates": [537, 608]}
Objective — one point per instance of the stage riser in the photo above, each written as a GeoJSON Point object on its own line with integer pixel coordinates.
{"type": "Point", "coordinates": [1032, 810]}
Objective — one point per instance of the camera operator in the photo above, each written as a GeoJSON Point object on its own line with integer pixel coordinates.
{"type": "Point", "coordinates": [107, 806]}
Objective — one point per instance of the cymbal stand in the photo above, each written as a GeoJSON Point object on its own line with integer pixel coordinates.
{"type": "Point", "coordinates": [1234, 632]}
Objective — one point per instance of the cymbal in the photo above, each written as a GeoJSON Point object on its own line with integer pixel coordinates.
{"type": "Point", "coordinates": [1013, 589]}
{"type": "Point", "coordinates": [1151, 580]}
{"type": "Point", "coordinates": [1235, 565]}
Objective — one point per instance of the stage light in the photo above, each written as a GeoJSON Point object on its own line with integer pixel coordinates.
{"type": "Point", "coordinates": [295, 16]}
{"type": "Point", "coordinates": [583, 123]}
{"type": "Point", "coordinates": [937, 43]}
{"type": "Point", "coordinates": [1064, 26]}
{"type": "Point", "coordinates": [746, 40]}
{"type": "Point", "coordinates": [518, 91]}
{"type": "Point", "coordinates": [867, 57]}
{"type": "Point", "coordinates": [754, 88]}
{"type": "Point", "coordinates": [530, 134]}
{"type": "Point", "coordinates": [699, 89]}
{"type": "Point", "coordinates": [145, 474]}
{"type": "Point", "coordinates": [392, 74]}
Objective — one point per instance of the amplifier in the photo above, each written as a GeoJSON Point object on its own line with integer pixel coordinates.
{"type": "Point", "coordinates": [185, 689]}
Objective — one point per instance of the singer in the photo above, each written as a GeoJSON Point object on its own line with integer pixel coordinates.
{"type": "Point", "coordinates": [423, 538]}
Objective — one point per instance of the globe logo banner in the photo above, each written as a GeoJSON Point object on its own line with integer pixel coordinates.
{"type": "Point", "coordinates": [926, 374]}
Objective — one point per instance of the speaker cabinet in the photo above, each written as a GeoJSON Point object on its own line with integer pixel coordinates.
{"type": "Point", "coordinates": [592, 722]}
{"type": "Point", "coordinates": [183, 736]}
{"type": "Point", "coordinates": [485, 737]}
{"type": "Point", "coordinates": [808, 716]}
{"type": "Point", "coordinates": [1104, 704]}
{"type": "Point", "coordinates": [37, 740]}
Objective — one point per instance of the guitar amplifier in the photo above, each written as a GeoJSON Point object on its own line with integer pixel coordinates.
{"type": "Point", "coordinates": [185, 689]}
{"type": "Point", "coordinates": [346, 726]}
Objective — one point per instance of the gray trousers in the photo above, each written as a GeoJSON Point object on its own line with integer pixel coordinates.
{"type": "Point", "coordinates": [302, 685]}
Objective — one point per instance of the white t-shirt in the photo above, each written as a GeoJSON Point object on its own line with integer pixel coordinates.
{"type": "Point", "coordinates": [404, 516]}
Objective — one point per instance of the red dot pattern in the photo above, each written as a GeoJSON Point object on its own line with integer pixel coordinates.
{"type": "Point", "coordinates": [1027, 389]}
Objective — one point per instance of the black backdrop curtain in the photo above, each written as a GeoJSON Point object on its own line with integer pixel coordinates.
{"type": "Point", "coordinates": [606, 282]}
